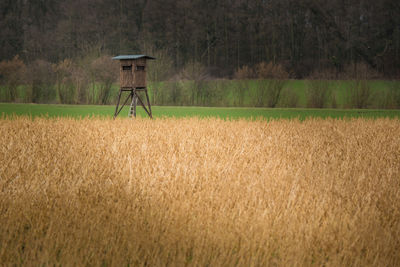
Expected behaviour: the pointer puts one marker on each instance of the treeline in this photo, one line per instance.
(268, 85)
(95, 81)
(301, 35)
(357, 94)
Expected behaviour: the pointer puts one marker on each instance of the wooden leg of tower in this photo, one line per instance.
(148, 102)
(116, 107)
(134, 101)
(143, 105)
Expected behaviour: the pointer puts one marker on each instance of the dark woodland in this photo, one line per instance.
(301, 35)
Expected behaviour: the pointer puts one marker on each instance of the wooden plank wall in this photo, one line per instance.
(126, 76)
(140, 75)
(133, 78)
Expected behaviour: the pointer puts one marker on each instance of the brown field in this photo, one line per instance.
(199, 192)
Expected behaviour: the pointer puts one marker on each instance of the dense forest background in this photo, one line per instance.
(301, 35)
(54, 51)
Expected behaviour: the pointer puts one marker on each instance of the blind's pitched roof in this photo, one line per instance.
(132, 57)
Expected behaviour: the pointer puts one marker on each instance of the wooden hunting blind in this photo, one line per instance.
(132, 79)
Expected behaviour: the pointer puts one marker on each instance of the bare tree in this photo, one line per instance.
(195, 74)
(104, 72)
(11, 76)
(40, 79)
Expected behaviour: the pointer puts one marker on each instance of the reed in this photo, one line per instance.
(199, 192)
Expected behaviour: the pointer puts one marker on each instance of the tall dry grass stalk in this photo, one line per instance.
(199, 192)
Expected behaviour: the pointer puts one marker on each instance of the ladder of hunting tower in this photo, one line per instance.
(132, 108)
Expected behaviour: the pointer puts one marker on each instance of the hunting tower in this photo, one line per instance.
(132, 79)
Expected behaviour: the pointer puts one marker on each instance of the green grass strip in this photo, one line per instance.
(77, 111)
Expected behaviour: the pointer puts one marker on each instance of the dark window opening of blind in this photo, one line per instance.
(126, 67)
(139, 67)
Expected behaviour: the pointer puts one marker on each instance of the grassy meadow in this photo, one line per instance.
(199, 192)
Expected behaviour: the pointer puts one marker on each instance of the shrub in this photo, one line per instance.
(11, 76)
(219, 92)
(272, 81)
(161, 68)
(359, 94)
(239, 91)
(197, 74)
(333, 100)
(40, 80)
(66, 91)
(173, 93)
(317, 93)
(271, 71)
(242, 85)
(395, 94)
(155, 89)
(244, 73)
(324, 74)
(268, 92)
(289, 98)
(389, 98)
(360, 71)
(104, 72)
(81, 80)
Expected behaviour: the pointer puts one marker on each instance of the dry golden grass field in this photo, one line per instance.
(199, 192)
